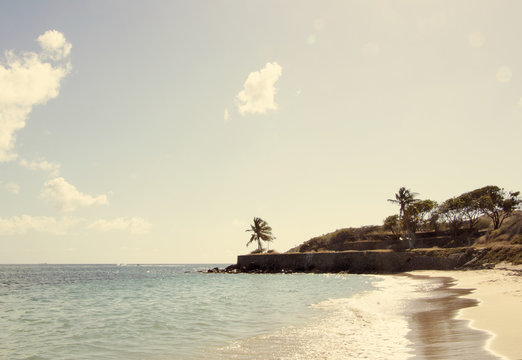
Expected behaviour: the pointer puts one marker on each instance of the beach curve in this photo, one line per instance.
(498, 293)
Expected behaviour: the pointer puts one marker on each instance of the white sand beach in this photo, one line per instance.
(499, 292)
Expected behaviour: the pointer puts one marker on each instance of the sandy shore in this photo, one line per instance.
(499, 310)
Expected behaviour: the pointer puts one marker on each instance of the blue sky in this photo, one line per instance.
(135, 132)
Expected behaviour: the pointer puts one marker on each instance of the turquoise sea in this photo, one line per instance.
(176, 312)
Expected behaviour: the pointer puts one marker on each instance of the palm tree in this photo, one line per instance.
(404, 198)
(260, 231)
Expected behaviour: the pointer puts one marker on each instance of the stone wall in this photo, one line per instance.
(355, 261)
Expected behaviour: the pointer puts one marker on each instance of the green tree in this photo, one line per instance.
(260, 231)
(416, 213)
(393, 224)
(404, 197)
(498, 205)
(433, 221)
(452, 211)
(470, 207)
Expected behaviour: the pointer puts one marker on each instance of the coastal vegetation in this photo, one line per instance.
(261, 231)
(415, 214)
(412, 213)
(474, 230)
(482, 216)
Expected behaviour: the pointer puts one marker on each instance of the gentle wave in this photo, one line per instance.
(369, 325)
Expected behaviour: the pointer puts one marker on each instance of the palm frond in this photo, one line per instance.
(260, 231)
(252, 239)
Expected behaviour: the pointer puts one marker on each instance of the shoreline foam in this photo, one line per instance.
(404, 317)
(372, 324)
(498, 293)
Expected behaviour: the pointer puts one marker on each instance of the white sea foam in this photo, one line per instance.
(369, 325)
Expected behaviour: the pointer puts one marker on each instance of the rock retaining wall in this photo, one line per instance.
(355, 261)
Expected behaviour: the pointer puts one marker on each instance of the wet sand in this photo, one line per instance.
(437, 333)
(472, 315)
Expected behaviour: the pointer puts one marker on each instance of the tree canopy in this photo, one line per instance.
(451, 211)
(261, 231)
(491, 201)
(404, 197)
(416, 213)
(497, 204)
(410, 211)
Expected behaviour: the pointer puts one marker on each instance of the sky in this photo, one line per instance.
(155, 131)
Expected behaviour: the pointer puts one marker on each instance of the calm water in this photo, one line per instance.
(174, 312)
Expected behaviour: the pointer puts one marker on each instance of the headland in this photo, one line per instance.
(481, 285)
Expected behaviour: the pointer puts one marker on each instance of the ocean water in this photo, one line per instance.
(175, 312)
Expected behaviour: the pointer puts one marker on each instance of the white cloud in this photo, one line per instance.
(54, 45)
(51, 167)
(27, 80)
(13, 188)
(133, 225)
(67, 198)
(259, 91)
(17, 225)
(476, 39)
(226, 116)
(504, 74)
